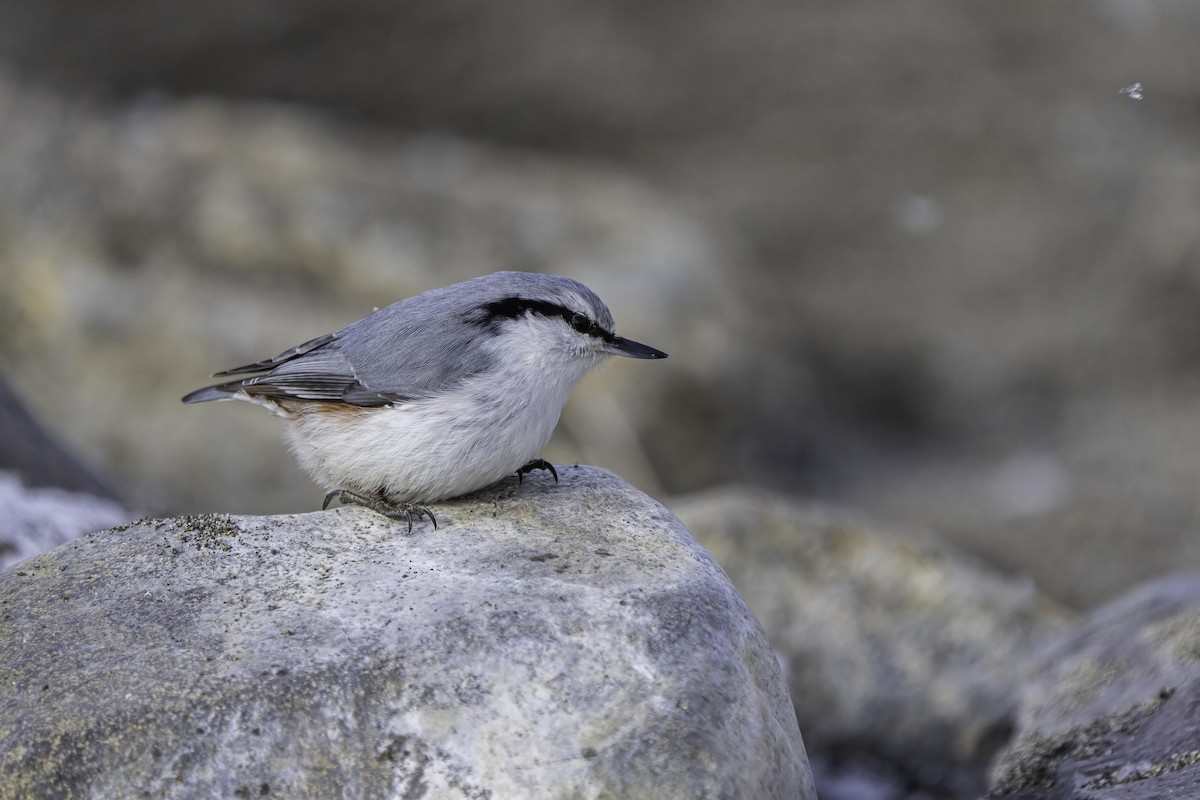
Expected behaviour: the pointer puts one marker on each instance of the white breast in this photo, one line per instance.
(428, 450)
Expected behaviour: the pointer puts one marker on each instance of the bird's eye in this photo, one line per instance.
(581, 323)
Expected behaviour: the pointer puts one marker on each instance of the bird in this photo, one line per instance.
(435, 396)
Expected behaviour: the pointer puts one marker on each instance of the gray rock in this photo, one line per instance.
(566, 640)
(36, 456)
(47, 495)
(1109, 711)
(37, 519)
(900, 650)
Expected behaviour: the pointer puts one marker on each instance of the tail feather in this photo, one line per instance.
(221, 392)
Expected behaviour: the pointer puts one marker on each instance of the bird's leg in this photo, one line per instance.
(537, 463)
(378, 503)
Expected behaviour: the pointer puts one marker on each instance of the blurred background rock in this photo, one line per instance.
(927, 261)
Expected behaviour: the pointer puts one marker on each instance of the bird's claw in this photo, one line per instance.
(380, 505)
(537, 463)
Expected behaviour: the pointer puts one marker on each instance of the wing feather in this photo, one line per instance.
(286, 355)
(403, 352)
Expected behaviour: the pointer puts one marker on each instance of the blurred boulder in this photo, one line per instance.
(38, 519)
(31, 452)
(903, 655)
(1109, 710)
(546, 640)
(48, 496)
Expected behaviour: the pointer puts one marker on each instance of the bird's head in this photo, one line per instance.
(549, 317)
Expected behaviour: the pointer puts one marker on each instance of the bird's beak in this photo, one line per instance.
(620, 346)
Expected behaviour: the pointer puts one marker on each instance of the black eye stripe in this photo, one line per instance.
(514, 307)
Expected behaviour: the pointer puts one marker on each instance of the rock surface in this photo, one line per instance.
(545, 641)
(903, 654)
(1109, 711)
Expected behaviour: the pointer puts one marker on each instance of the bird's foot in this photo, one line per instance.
(537, 463)
(380, 505)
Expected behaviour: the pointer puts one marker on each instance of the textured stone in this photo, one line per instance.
(1108, 711)
(900, 650)
(566, 640)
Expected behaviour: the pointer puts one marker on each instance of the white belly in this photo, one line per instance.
(427, 450)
